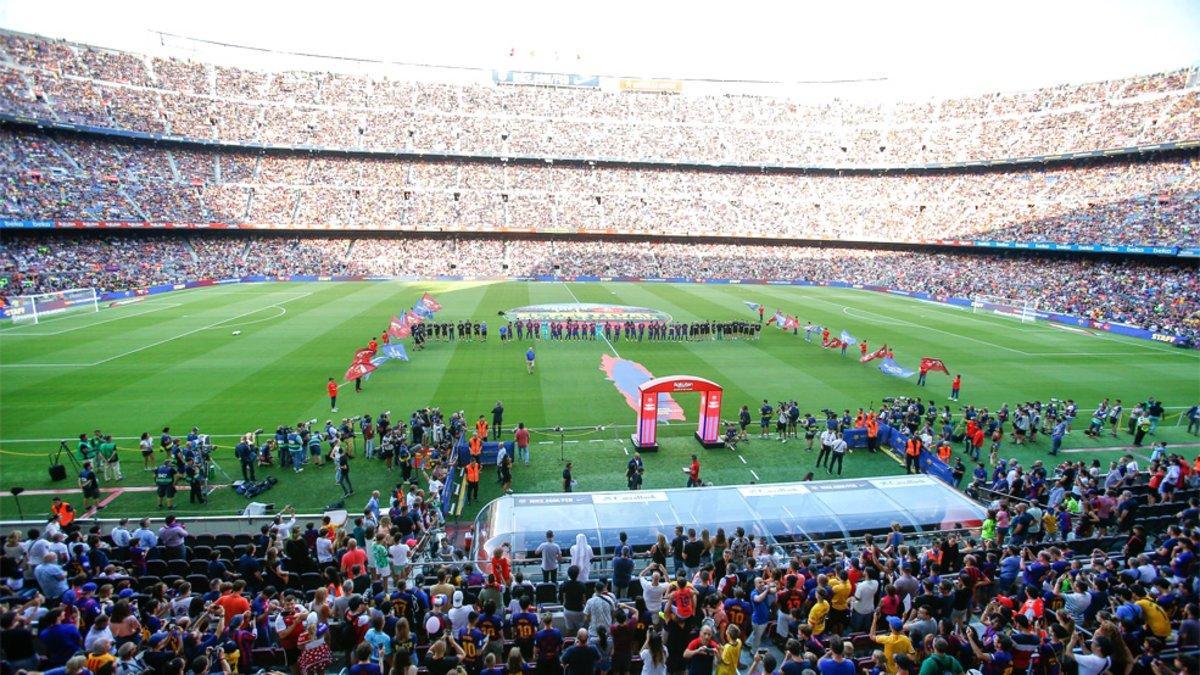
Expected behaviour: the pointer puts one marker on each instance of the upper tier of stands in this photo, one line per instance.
(78, 84)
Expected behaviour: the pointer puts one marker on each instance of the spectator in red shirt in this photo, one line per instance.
(354, 557)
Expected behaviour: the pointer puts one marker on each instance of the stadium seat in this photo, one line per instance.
(546, 593)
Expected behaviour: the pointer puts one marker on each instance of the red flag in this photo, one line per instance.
(929, 363)
(363, 355)
(432, 304)
(833, 343)
(412, 319)
(880, 353)
(791, 322)
(398, 329)
(357, 370)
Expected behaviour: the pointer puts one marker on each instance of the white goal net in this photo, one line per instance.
(1025, 310)
(35, 308)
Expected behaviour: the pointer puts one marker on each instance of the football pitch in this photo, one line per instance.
(173, 360)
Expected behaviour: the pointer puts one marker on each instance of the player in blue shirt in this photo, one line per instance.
(529, 356)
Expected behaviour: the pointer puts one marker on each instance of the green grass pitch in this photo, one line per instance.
(173, 360)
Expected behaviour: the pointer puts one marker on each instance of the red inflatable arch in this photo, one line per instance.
(708, 428)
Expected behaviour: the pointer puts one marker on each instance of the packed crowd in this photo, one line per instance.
(1159, 297)
(98, 179)
(54, 80)
(384, 593)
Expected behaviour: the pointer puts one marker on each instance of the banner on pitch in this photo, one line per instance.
(429, 303)
(889, 367)
(752, 305)
(848, 338)
(395, 351)
(358, 370)
(833, 343)
(881, 353)
(398, 329)
(929, 364)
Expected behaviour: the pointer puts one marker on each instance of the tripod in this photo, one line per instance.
(213, 466)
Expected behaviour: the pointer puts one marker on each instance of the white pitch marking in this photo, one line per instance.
(152, 344)
(89, 325)
(754, 474)
(742, 458)
(602, 335)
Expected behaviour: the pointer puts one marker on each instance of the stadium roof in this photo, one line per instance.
(889, 49)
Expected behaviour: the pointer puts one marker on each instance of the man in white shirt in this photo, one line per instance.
(324, 550)
(837, 454)
(828, 438)
(121, 535)
(285, 527)
(399, 555)
(459, 614)
(653, 593)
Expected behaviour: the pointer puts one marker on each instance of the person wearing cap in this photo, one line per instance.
(459, 614)
(894, 643)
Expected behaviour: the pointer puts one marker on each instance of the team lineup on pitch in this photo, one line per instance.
(294, 335)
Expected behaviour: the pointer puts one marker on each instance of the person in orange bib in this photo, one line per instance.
(373, 346)
(862, 348)
(872, 432)
(472, 472)
(332, 389)
(912, 455)
(64, 511)
(481, 427)
(476, 446)
(943, 452)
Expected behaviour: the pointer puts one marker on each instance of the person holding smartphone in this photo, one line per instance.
(701, 653)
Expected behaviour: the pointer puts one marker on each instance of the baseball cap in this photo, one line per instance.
(895, 623)
(125, 593)
(89, 587)
(439, 600)
(458, 598)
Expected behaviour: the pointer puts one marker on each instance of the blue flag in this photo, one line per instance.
(422, 311)
(752, 305)
(890, 367)
(395, 350)
(848, 338)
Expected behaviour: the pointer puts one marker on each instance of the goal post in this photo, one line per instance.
(34, 308)
(1025, 310)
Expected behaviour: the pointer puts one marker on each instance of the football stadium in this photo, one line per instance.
(320, 353)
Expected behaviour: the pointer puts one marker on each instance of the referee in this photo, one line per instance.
(828, 438)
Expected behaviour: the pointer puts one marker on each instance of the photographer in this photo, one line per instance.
(196, 475)
(701, 653)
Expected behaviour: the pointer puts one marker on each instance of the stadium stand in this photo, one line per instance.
(1066, 554)
(1069, 556)
(1159, 295)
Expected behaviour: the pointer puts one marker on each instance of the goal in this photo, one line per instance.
(1025, 310)
(34, 308)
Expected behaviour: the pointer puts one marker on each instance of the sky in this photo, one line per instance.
(910, 49)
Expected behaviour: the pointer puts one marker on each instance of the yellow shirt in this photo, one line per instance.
(894, 644)
(841, 594)
(816, 616)
(1156, 618)
(728, 663)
